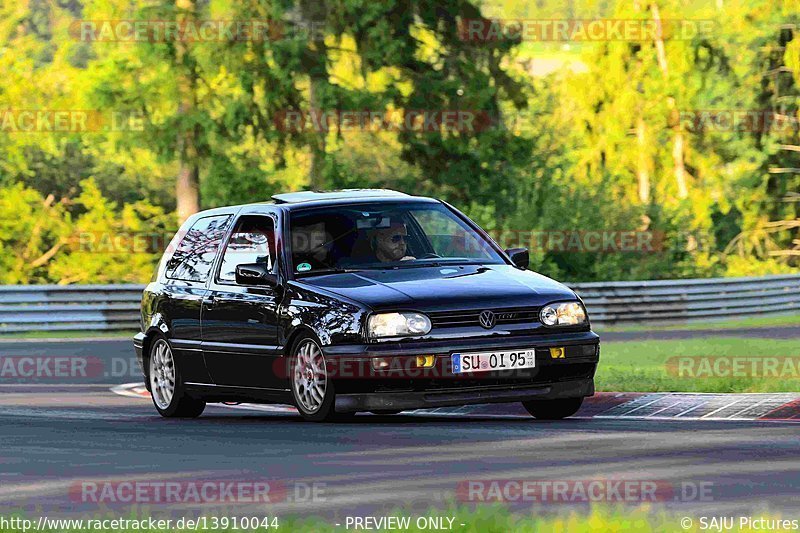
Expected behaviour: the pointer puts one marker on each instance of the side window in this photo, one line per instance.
(195, 253)
(252, 241)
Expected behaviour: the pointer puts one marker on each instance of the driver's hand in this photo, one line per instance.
(408, 258)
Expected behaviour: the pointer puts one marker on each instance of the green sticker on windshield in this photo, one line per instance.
(303, 267)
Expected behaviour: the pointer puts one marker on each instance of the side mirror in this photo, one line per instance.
(255, 274)
(519, 256)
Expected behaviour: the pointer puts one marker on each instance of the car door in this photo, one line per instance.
(184, 286)
(240, 323)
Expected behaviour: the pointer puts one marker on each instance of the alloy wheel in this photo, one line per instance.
(162, 374)
(309, 377)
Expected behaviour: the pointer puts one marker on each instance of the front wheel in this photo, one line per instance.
(553, 409)
(312, 388)
(166, 386)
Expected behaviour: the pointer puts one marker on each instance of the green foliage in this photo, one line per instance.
(33, 229)
(568, 150)
(87, 239)
(651, 365)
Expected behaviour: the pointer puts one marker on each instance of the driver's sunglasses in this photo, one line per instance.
(397, 238)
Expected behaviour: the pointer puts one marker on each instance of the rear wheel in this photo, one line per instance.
(553, 409)
(166, 386)
(312, 388)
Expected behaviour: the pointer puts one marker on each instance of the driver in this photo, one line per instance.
(389, 244)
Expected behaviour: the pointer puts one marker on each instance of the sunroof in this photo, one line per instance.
(307, 196)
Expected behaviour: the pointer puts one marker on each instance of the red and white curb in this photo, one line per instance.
(609, 405)
(132, 390)
(709, 406)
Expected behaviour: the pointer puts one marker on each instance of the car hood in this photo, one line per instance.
(444, 288)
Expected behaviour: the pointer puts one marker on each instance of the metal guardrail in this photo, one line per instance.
(116, 307)
(69, 307)
(678, 301)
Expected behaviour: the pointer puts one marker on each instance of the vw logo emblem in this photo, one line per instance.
(487, 319)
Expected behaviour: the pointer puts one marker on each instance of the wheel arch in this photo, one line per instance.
(149, 337)
(295, 333)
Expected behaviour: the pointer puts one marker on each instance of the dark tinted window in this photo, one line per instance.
(380, 235)
(196, 250)
(252, 241)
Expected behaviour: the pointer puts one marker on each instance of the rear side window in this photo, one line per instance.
(195, 253)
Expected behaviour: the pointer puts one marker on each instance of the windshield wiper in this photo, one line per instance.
(437, 262)
(415, 264)
(331, 270)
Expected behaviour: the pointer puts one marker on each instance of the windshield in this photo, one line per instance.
(384, 236)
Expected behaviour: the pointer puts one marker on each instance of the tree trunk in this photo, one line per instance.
(642, 170)
(678, 149)
(313, 14)
(316, 177)
(187, 185)
(187, 191)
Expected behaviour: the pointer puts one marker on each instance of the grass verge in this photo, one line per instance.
(654, 365)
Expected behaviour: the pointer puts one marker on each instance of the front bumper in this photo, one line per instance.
(138, 347)
(467, 396)
(407, 387)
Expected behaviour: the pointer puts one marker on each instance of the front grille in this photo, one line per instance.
(455, 319)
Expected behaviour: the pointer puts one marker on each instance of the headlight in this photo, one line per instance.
(563, 314)
(398, 324)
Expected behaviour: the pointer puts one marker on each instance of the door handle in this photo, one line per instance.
(209, 301)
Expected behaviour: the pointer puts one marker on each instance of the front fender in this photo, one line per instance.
(332, 320)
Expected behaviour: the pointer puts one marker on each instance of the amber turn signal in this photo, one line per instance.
(557, 353)
(425, 361)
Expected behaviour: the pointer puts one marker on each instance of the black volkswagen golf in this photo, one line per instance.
(359, 300)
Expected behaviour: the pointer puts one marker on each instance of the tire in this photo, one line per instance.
(312, 389)
(553, 409)
(166, 385)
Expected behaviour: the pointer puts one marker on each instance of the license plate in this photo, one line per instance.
(488, 361)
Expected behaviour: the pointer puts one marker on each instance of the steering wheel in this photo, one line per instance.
(431, 256)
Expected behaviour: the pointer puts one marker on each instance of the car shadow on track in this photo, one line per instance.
(423, 422)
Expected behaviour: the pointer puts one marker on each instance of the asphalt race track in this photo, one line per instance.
(58, 435)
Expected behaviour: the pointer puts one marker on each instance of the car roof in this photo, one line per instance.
(305, 199)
